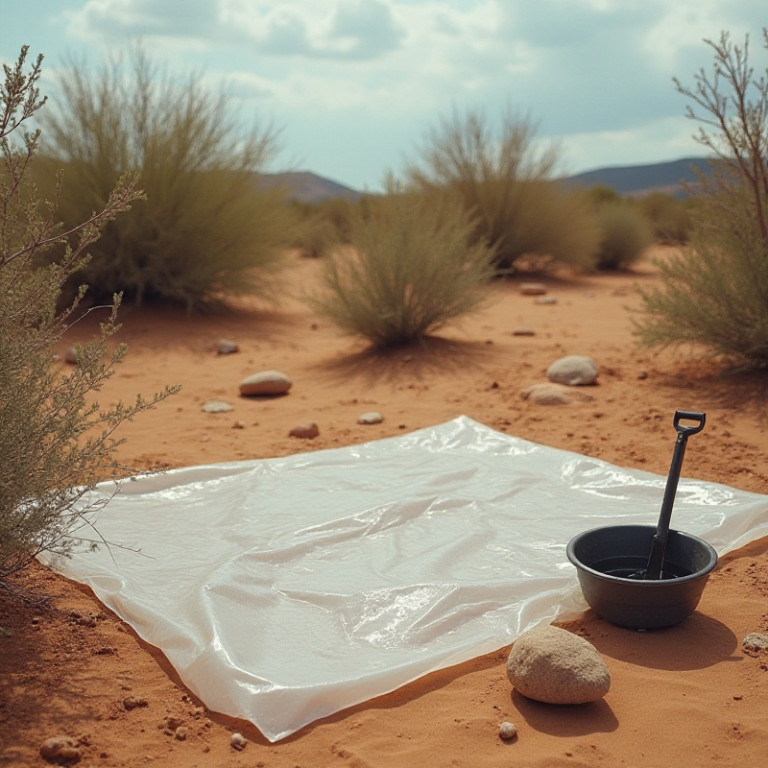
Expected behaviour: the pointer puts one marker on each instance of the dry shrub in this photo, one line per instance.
(716, 292)
(206, 230)
(56, 442)
(626, 234)
(507, 186)
(669, 217)
(410, 270)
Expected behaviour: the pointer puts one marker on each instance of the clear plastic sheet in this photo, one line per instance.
(287, 589)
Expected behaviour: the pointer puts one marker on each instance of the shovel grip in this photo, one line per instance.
(701, 418)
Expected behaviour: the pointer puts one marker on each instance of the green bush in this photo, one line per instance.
(716, 292)
(410, 270)
(55, 441)
(669, 217)
(626, 234)
(206, 231)
(508, 188)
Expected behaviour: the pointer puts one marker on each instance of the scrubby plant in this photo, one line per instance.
(508, 187)
(207, 230)
(625, 235)
(669, 217)
(716, 293)
(411, 268)
(56, 442)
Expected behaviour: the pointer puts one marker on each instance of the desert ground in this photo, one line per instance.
(688, 696)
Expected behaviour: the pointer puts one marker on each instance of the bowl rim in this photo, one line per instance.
(639, 583)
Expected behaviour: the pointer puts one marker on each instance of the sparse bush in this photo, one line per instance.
(55, 441)
(669, 217)
(508, 188)
(206, 230)
(625, 235)
(410, 270)
(716, 293)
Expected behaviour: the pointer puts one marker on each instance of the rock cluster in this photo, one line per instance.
(555, 666)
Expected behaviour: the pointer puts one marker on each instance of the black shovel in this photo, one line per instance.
(656, 560)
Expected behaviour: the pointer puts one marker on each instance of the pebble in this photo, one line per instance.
(573, 370)
(217, 406)
(545, 300)
(60, 748)
(533, 289)
(370, 418)
(181, 733)
(755, 640)
(523, 332)
(226, 347)
(265, 383)
(642, 375)
(131, 702)
(70, 356)
(238, 741)
(554, 666)
(305, 431)
(507, 730)
(238, 425)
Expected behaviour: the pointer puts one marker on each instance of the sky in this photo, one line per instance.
(355, 86)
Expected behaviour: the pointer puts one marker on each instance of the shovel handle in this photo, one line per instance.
(701, 418)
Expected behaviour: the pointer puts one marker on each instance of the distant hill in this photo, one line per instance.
(306, 187)
(642, 180)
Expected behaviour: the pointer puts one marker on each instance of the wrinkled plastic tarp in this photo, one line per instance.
(287, 589)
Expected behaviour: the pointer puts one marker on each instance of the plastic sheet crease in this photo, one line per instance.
(284, 590)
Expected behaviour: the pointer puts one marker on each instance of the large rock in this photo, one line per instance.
(265, 383)
(547, 393)
(555, 666)
(573, 370)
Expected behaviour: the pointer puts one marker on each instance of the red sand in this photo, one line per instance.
(684, 697)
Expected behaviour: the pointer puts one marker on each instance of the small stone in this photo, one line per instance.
(238, 741)
(60, 748)
(181, 733)
(370, 418)
(533, 289)
(70, 356)
(523, 332)
(314, 326)
(226, 347)
(755, 641)
(131, 702)
(217, 406)
(238, 425)
(642, 375)
(172, 722)
(554, 666)
(547, 394)
(305, 431)
(265, 383)
(507, 730)
(545, 300)
(573, 370)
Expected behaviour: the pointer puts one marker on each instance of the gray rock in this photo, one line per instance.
(545, 300)
(573, 370)
(507, 730)
(237, 741)
(226, 347)
(370, 418)
(555, 666)
(265, 383)
(756, 641)
(216, 406)
(305, 431)
(70, 356)
(533, 289)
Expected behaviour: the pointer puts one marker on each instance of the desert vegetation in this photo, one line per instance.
(715, 293)
(205, 231)
(625, 233)
(413, 265)
(508, 186)
(56, 441)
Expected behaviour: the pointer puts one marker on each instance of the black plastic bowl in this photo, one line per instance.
(605, 558)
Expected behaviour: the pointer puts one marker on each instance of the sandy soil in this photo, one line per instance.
(685, 697)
